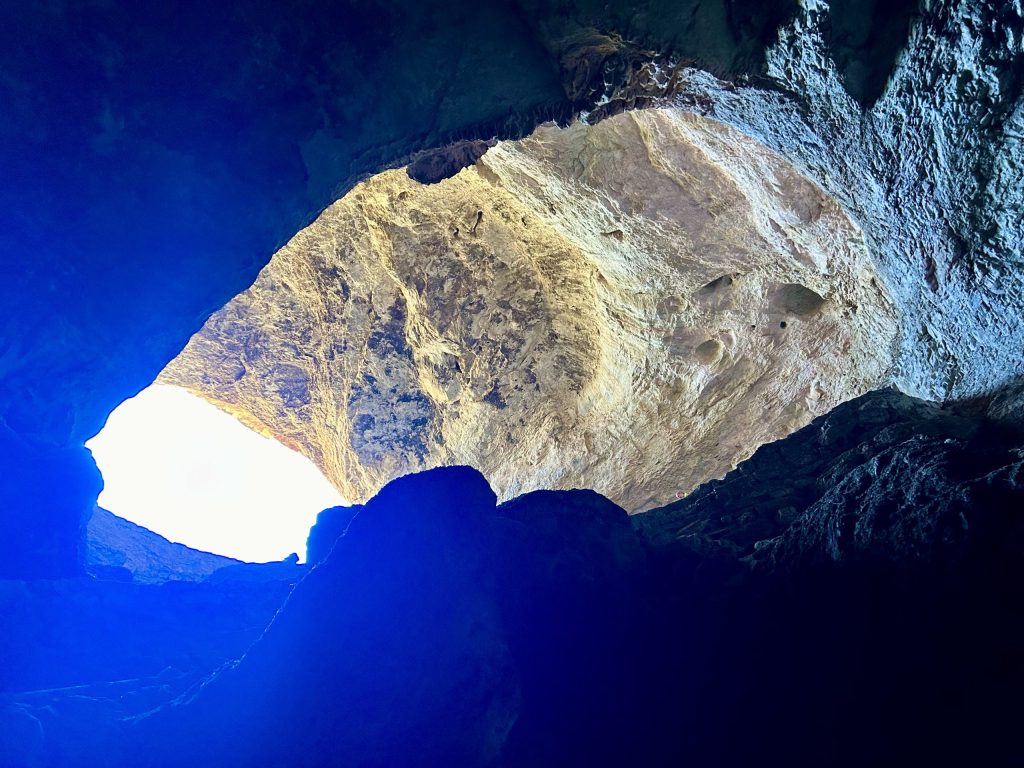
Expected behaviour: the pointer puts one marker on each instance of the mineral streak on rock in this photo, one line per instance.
(642, 303)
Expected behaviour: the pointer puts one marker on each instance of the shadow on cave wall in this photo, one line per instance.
(866, 39)
(851, 595)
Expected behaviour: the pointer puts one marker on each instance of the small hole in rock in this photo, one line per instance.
(710, 352)
(799, 300)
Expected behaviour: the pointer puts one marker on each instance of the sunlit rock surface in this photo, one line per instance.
(154, 157)
(144, 193)
(632, 307)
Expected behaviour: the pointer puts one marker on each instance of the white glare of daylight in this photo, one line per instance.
(175, 464)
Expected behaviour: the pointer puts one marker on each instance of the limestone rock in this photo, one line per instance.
(854, 590)
(884, 478)
(69, 632)
(155, 156)
(632, 307)
(417, 624)
(143, 194)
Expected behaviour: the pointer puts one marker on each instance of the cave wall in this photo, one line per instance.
(64, 633)
(154, 156)
(119, 549)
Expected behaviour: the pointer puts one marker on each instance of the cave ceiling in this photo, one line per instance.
(149, 177)
(633, 307)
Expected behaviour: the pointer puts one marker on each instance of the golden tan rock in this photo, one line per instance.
(632, 307)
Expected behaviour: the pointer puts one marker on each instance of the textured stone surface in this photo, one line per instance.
(344, 694)
(148, 177)
(858, 589)
(632, 307)
(932, 171)
(151, 174)
(440, 631)
(885, 477)
(61, 633)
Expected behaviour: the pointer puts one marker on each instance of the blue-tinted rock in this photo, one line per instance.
(115, 543)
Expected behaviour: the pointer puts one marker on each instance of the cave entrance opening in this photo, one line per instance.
(182, 468)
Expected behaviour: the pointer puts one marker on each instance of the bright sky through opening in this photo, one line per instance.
(175, 464)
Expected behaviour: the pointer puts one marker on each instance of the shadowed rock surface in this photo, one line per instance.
(886, 477)
(859, 607)
(554, 629)
(436, 165)
(866, 37)
(69, 632)
(152, 610)
(931, 172)
(116, 547)
(858, 591)
(330, 525)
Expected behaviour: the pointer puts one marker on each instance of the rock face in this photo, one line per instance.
(633, 307)
(885, 478)
(859, 604)
(853, 592)
(63, 633)
(151, 175)
(150, 611)
(931, 170)
(114, 546)
(759, 617)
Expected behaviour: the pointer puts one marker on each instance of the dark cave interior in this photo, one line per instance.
(850, 594)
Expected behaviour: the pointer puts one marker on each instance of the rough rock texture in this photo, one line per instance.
(148, 175)
(117, 547)
(632, 307)
(885, 477)
(550, 631)
(853, 593)
(435, 634)
(435, 165)
(392, 629)
(155, 155)
(159, 613)
(932, 171)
